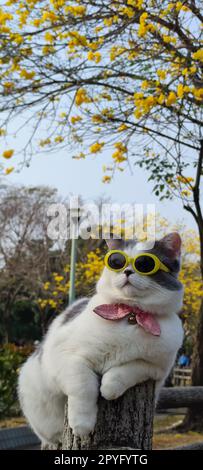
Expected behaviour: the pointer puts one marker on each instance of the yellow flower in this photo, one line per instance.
(198, 93)
(161, 98)
(27, 75)
(96, 147)
(58, 278)
(119, 156)
(75, 119)
(122, 128)
(8, 85)
(94, 56)
(2, 132)
(76, 10)
(180, 90)
(8, 153)
(161, 74)
(81, 97)
(171, 99)
(49, 37)
(97, 119)
(9, 170)
(169, 39)
(106, 179)
(58, 139)
(145, 85)
(198, 55)
(45, 142)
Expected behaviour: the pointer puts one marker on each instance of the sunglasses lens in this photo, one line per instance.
(116, 261)
(144, 264)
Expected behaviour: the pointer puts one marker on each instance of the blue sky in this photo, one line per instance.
(84, 177)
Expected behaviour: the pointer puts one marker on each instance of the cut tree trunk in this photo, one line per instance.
(125, 423)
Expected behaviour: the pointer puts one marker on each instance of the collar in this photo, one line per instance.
(135, 315)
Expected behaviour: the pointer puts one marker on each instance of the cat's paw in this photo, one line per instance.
(82, 430)
(82, 425)
(111, 390)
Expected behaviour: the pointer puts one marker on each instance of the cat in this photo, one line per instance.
(83, 353)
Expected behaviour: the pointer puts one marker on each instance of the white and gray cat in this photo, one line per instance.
(83, 354)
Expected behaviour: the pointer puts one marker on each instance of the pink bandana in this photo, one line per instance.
(135, 315)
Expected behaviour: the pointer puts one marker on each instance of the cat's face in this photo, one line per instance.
(161, 292)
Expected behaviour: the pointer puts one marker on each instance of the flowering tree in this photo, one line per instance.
(122, 74)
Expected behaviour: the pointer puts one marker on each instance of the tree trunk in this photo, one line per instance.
(194, 416)
(125, 423)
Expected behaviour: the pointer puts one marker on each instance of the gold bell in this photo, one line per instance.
(132, 318)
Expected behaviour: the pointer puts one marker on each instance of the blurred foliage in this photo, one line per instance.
(11, 358)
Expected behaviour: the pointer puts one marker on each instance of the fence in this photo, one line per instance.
(181, 376)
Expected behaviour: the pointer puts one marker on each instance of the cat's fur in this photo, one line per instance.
(81, 348)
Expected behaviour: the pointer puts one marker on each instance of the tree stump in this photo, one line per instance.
(125, 423)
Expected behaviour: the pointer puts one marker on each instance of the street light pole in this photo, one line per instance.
(74, 220)
(72, 270)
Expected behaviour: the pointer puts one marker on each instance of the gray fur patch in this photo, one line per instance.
(74, 310)
(167, 280)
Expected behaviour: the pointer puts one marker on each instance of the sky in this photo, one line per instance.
(84, 177)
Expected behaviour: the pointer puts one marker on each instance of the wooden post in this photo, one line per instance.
(125, 423)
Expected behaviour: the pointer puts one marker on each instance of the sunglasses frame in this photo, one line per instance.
(131, 260)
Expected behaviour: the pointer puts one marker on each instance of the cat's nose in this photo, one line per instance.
(128, 272)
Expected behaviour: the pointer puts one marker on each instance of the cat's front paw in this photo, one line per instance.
(82, 425)
(111, 390)
(82, 430)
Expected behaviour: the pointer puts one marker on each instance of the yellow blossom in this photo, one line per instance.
(75, 119)
(81, 97)
(198, 93)
(58, 278)
(145, 84)
(122, 128)
(161, 74)
(49, 37)
(26, 74)
(180, 90)
(94, 56)
(45, 142)
(198, 55)
(171, 99)
(96, 147)
(9, 170)
(169, 39)
(58, 139)
(106, 179)
(8, 153)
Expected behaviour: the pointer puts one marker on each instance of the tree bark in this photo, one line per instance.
(194, 416)
(125, 423)
(180, 397)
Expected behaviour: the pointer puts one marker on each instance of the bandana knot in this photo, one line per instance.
(135, 315)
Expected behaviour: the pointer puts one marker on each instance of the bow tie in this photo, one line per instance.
(135, 315)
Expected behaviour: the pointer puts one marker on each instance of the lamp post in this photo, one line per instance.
(73, 259)
(74, 219)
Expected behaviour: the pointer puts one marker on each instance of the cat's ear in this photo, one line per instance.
(172, 243)
(114, 243)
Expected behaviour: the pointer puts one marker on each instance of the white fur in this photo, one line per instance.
(77, 353)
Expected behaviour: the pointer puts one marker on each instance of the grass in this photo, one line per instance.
(12, 422)
(166, 438)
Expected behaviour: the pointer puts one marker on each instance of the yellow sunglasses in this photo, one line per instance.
(142, 263)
